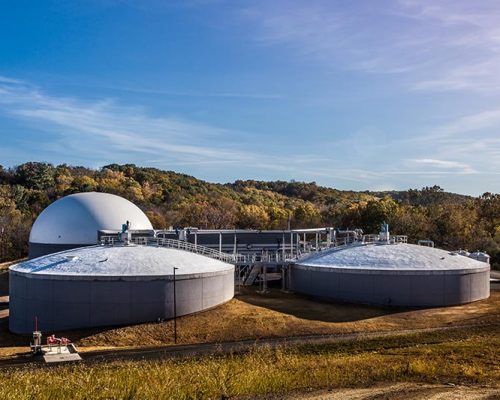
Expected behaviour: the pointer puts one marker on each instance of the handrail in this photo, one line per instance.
(280, 256)
(173, 244)
(194, 248)
(392, 239)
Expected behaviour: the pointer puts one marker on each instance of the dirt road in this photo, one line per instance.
(197, 350)
(403, 391)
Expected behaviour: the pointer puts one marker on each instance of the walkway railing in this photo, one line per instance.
(172, 244)
(392, 239)
(279, 256)
(194, 248)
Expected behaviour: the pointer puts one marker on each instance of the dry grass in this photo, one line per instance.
(471, 358)
(251, 316)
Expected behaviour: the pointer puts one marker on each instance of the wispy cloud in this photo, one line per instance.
(471, 123)
(434, 45)
(102, 131)
(103, 124)
(473, 138)
(230, 95)
(452, 166)
(4, 79)
(107, 131)
(469, 43)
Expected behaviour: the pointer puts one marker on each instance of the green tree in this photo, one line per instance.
(306, 215)
(34, 175)
(376, 212)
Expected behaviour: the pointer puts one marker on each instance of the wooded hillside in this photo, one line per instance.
(171, 199)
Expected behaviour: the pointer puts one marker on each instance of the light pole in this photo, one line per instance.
(175, 311)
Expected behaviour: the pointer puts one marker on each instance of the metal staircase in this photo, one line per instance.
(251, 276)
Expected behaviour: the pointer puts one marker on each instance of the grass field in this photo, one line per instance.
(459, 357)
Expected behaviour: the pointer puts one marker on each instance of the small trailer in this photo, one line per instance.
(56, 349)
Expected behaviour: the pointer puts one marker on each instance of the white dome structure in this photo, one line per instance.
(74, 221)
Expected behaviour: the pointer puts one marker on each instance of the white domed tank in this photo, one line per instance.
(114, 285)
(401, 275)
(74, 221)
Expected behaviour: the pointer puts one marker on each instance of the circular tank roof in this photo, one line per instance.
(120, 262)
(392, 257)
(75, 219)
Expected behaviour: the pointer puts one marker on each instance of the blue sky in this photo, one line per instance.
(364, 95)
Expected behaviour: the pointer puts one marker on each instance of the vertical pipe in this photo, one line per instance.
(264, 287)
(196, 238)
(220, 242)
(175, 311)
(316, 241)
(283, 247)
(239, 277)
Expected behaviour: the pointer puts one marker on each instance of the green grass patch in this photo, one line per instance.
(459, 356)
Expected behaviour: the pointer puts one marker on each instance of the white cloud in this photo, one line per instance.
(471, 123)
(104, 132)
(442, 45)
(105, 125)
(101, 131)
(4, 79)
(455, 166)
(237, 95)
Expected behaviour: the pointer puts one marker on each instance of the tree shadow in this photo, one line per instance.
(4, 283)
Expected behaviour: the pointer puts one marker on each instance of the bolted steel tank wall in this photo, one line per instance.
(392, 288)
(63, 303)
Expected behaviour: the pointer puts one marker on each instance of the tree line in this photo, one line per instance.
(168, 198)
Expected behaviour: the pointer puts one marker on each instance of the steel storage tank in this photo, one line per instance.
(74, 221)
(392, 275)
(120, 285)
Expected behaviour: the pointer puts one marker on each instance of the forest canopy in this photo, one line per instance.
(452, 221)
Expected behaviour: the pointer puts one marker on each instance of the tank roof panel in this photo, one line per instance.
(405, 257)
(120, 261)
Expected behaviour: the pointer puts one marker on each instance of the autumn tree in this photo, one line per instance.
(253, 217)
(376, 212)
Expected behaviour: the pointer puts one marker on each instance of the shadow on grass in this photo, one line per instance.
(306, 307)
